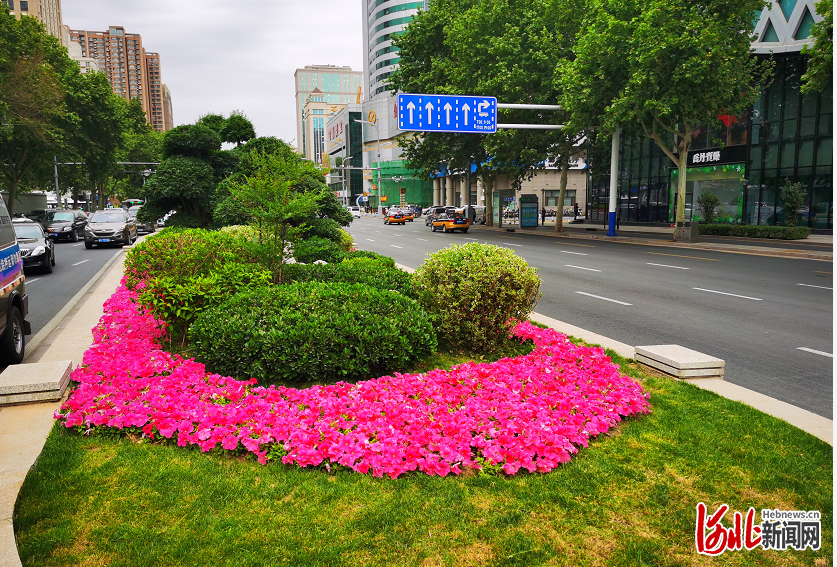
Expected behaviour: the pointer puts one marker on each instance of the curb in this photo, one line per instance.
(33, 343)
(728, 248)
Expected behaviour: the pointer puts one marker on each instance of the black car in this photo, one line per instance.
(110, 226)
(36, 250)
(65, 225)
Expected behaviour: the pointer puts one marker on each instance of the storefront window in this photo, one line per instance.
(724, 181)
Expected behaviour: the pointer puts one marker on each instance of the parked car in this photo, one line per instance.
(431, 212)
(450, 222)
(355, 211)
(65, 225)
(37, 215)
(110, 226)
(14, 303)
(36, 249)
(394, 218)
(145, 228)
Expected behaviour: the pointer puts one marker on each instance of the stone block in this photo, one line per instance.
(38, 382)
(680, 362)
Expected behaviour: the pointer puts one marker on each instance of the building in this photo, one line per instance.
(315, 113)
(132, 72)
(784, 136)
(335, 85)
(86, 64)
(383, 21)
(344, 144)
(47, 11)
(168, 110)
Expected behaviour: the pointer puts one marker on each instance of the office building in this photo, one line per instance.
(383, 21)
(785, 136)
(344, 144)
(47, 11)
(132, 72)
(315, 113)
(336, 85)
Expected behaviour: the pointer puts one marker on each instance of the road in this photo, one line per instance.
(74, 267)
(755, 312)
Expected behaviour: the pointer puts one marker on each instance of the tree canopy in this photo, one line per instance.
(820, 70)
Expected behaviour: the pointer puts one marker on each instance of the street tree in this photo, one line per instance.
(33, 110)
(666, 67)
(820, 70)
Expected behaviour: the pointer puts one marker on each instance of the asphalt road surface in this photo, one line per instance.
(769, 318)
(74, 267)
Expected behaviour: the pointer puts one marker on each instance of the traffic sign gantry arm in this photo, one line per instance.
(463, 114)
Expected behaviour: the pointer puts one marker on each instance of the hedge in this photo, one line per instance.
(756, 231)
(312, 332)
(386, 260)
(367, 271)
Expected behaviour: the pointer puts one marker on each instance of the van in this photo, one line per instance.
(355, 211)
(14, 303)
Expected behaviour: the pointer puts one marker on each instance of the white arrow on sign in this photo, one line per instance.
(448, 108)
(465, 110)
(429, 107)
(411, 107)
(480, 106)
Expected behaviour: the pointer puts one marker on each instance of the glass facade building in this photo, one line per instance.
(744, 160)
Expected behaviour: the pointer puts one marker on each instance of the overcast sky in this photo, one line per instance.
(224, 55)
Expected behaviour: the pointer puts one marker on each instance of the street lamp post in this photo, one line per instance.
(378, 133)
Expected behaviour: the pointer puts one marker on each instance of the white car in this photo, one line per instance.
(355, 211)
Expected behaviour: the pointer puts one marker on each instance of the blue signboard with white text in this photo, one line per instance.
(447, 113)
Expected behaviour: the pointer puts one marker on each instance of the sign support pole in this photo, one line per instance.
(614, 174)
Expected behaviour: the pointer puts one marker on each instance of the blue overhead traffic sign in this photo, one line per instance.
(447, 113)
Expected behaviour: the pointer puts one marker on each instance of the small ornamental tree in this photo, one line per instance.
(666, 68)
(708, 202)
(237, 129)
(793, 198)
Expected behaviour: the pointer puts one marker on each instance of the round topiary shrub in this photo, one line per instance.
(367, 271)
(312, 332)
(471, 292)
(316, 248)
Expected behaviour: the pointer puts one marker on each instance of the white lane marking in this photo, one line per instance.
(396, 235)
(378, 231)
(725, 293)
(82, 262)
(604, 298)
(370, 240)
(415, 231)
(421, 239)
(32, 281)
(806, 349)
(79, 244)
(666, 266)
(466, 238)
(510, 244)
(817, 286)
(568, 252)
(580, 268)
(394, 246)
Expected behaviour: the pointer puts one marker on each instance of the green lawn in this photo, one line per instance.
(628, 499)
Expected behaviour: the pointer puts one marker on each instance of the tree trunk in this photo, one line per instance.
(488, 190)
(13, 184)
(680, 213)
(559, 216)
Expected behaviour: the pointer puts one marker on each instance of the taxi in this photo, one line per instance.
(450, 222)
(408, 214)
(394, 218)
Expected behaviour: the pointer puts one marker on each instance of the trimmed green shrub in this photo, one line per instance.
(367, 271)
(707, 203)
(178, 302)
(793, 198)
(386, 260)
(346, 241)
(472, 291)
(179, 254)
(312, 332)
(756, 231)
(316, 248)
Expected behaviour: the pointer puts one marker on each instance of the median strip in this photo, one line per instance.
(725, 293)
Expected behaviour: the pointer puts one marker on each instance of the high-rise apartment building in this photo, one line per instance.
(335, 85)
(47, 11)
(383, 21)
(168, 111)
(132, 72)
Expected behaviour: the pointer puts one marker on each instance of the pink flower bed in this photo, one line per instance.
(532, 412)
